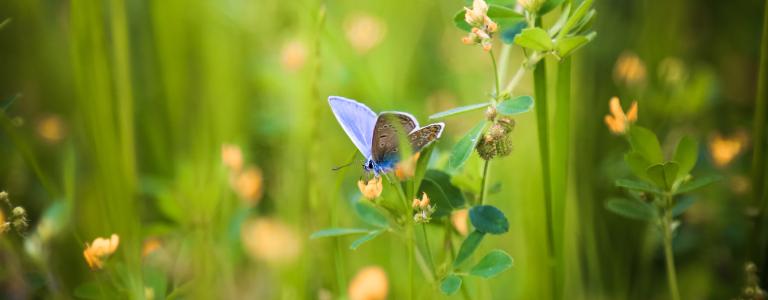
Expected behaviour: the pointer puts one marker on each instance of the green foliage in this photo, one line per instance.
(370, 236)
(370, 214)
(548, 6)
(632, 209)
(468, 247)
(450, 284)
(503, 16)
(664, 175)
(645, 144)
(568, 45)
(492, 264)
(330, 232)
(464, 147)
(534, 39)
(685, 155)
(488, 219)
(697, 182)
(442, 193)
(516, 105)
(638, 186)
(681, 205)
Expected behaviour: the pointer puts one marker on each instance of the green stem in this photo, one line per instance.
(503, 60)
(560, 162)
(542, 119)
(484, 182)
(758, 155)
(669, 256)
(495, 75)
(429, 250)
(411, 249)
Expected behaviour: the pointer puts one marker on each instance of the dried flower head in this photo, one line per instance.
(293, 55)
(364, 32)
(497, 140)
(100, 250)
(232, 157)
(270, 240)
(629, 70)
(617, 121)
(249, 185)
(725, 149)
(370, 283)
(407, 168)
(371, 189)
(459, 220)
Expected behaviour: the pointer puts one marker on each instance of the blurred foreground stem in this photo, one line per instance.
(484, 182)
(668, 254)
(760, 187)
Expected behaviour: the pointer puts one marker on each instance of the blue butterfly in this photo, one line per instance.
(376, 136)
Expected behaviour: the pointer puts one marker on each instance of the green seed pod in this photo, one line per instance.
(497, 140)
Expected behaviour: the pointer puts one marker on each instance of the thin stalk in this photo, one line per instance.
(669, 256)
(758, 155)
(542, 119)
(484, 182)
(411, 249)
(429, 251)
(495, 76)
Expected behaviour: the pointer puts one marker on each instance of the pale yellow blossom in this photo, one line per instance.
(725, 149)
(249, 184)
(364, 32)
(99, 250)
(232, 157)
(270, 240)
(372, 189)
(370, 283)
(617, 121)
(459, 221)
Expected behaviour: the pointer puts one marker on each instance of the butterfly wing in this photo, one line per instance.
(357, 120)
(423, 136)
(386, 141)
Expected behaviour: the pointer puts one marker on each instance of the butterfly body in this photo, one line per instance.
(378, 136)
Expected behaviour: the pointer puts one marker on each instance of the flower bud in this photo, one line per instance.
(497, 140)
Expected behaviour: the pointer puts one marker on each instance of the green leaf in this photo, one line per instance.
(508, 35)
(685, 154)
(442, 193)
(645, 143)
(463, 149)
(450, 284)
(555, 28)
(548, 6)
(514, 106)
(492, 264)
(681, 205)
(365, 238)
(370, 214)
(632, 209)
(91, 290)
(585, 24)
(423, 163)
(638, 186)
(468, 247)
(576, 18)
(696, 183)
(155, 278)
(488, 219)
(458, 21)
(638, 164)
(566, 46)
(328, 232)
(535, 39)
(664, 175)
(459, 110)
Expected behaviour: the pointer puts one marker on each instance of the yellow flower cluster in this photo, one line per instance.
(99, 250)
(617, 121)
(482, 26)
(248, 181)
(371, 189)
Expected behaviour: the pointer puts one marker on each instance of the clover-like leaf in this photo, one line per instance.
(370, 214)
(468, 247)
(664, 175)
(632, 209)
(535, 39)
(329, 232)
(638, 164)
(492, 264)
(568, 45)
(488, 219)
(442, 193)
(516, 105)
(450, 284)
(645, 143)
(697, 182)
(363, 239)
(686, 153)
(638, 186)
(463, 149)
(459, 110)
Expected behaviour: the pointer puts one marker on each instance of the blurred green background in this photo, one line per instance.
(121, 108)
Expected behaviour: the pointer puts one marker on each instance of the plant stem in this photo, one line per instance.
(759, 185)
(429, 251)
(542, 119)
(503, 60)
(516, 78)
(495, 75)
(669, 256)
(484, 182)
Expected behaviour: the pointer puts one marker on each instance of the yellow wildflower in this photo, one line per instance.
(629, 70)
(51, 129)
(424, 211)
(364, 32)
(617, 121)
(370, 283)
(293, 55)
(232, 157)
(459, 221)
(482, 26)
(249, 185)
(407, 168)
(270, 240)
(372, 189)
(100, 249)
(725, 149)
(150, 245)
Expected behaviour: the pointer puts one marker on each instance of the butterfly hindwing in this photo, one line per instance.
(357, 120)
(421, 137)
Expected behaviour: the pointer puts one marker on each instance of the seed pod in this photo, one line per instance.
(497, 140)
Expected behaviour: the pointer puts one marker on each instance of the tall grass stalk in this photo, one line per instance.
(668, 254)
(759, 164)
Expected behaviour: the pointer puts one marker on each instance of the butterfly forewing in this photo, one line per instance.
(357, 120)
(386, 135)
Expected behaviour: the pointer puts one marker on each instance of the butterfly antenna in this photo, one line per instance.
(351, 161)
